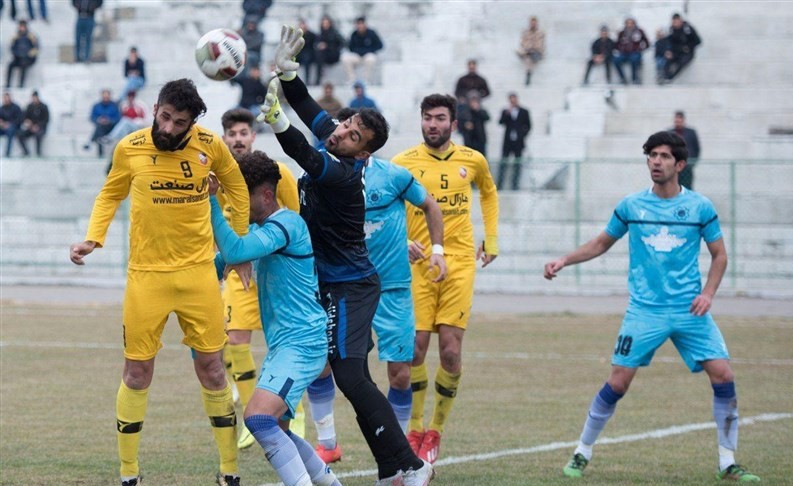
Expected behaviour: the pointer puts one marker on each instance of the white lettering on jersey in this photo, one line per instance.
(370, 227)
(663, 241)
(642, 213)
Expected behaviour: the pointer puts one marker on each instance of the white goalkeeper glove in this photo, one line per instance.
(291, 44)
(272, 113)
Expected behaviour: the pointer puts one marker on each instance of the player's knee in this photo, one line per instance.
(451, 359)
(399, 376)
(211, 372)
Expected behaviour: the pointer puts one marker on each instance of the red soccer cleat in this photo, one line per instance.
(430, 446)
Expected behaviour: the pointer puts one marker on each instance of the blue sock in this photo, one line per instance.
(317, 470)
(725, 412)
(278, 449)
(401, 401)
(320, 400)
(600, 411)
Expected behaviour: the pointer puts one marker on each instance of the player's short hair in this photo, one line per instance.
(258, 168)
(680, 113)
(236, 115)
(673, 140)
(183, 96)
(436, 100)
(376, 122)
(345, 113)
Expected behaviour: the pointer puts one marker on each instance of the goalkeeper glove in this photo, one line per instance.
(272, 113)
(290, 46)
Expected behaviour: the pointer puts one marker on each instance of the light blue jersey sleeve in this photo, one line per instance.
(415, 193)
(260, 242)
(618, 224)
(711, 229)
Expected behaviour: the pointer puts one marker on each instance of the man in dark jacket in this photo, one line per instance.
(24, 49)
(307, 56)
(683, 39)
(254, 40)
(517, 125)
(631, 42)
(84, 30)
(256, 10)
(602, 51)
(253, 92)
(34, 124)
(689, 135)
(471, 82)
(363, 46)
(10, 118)
(104, 115)
(471, 123)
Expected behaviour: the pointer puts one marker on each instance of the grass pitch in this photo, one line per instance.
(527, 383)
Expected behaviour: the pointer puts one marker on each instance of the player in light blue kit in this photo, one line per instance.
(388, 187)
(667, 301)
(293, 321)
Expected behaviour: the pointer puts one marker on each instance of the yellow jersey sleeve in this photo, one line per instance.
(235, 190)
(115, 190)
(286, 192)
(488, 201)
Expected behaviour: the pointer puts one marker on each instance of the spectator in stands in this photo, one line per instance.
(84, 30)
(532, 47)
(471, 82)
(254, 40)
(689, 135)
(256, 10)
(307, 56)
(661, 46)
(133, 118)
(683, 39)
(602, 51)
(471, 123)
(327, 46)
(24, 50)
(631, 42)
(517, 125)
(34, 124)
(104, 115)
(253, 90)
(328, 101)
(134, 73)
(363, 46)
(361, 100)
(10, 118)
(31, 13)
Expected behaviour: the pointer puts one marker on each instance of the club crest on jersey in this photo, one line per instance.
(463, 172)
(681, 213)
(663, 241)
(202, 158)
(374, 196)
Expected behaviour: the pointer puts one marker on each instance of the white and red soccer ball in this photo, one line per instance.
(221, 54)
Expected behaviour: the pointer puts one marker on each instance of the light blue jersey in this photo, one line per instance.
(664, 245)
(388, 186)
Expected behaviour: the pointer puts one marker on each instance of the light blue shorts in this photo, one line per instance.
(395, 326)
(643, 331)
(288, 370)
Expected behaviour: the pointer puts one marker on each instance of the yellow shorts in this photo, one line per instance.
(241, 307)
(193, 294)
(447, 302)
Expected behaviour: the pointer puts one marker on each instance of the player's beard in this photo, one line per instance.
(439, 140)
(163, 141)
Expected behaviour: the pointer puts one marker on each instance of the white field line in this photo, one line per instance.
(474, 354)
(553, 446)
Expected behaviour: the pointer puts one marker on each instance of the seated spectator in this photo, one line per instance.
(24, 50)
(631, 42)
(10, 118)
(363, 46)
(327, 46)
(253, 90)
(34, 124)
(254, 40)
(307, 56)
(471, 82)
(104, 115)
(661, 46)
(328, 101)
(134, 73)
(602, 51)
(683, 39)
(133, 118)
(471, 123)
(532, 47)
(361, 100)
(256, 10)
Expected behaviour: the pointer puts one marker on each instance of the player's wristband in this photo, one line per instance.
(491, 245)
(437, 250)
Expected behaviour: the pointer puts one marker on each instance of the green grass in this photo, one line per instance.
(528, 381)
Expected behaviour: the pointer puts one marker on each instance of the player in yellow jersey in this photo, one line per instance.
(447, 171)
(242, 306)
(165, 170)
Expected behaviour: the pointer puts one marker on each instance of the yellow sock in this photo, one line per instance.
(298, 424)
(243, 369)
(219, 406)
(445, 390)
(418, 382)
(130, 411)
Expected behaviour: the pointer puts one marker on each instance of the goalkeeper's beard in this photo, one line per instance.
(163, 141)
(439, 140)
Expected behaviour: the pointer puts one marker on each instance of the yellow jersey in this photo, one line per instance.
(170, 226)
(448, 177)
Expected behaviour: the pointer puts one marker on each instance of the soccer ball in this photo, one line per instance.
(221, 54)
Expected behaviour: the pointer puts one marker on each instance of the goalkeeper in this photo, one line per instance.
(332, 204)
